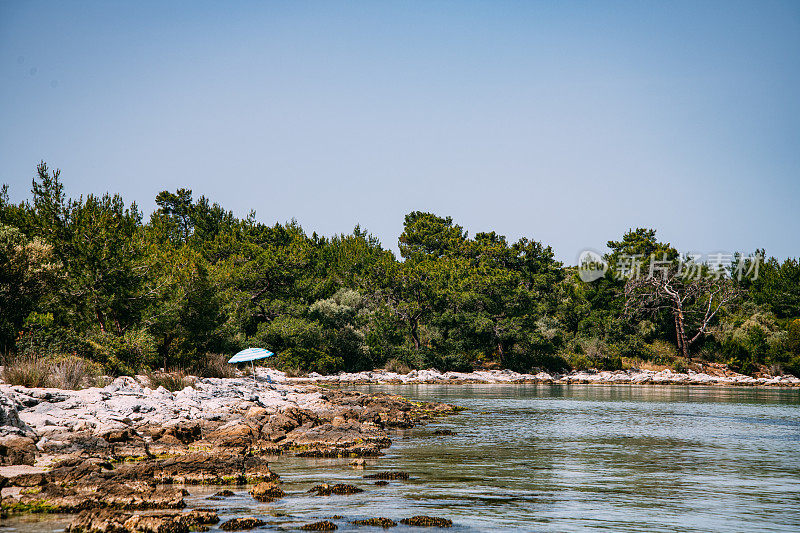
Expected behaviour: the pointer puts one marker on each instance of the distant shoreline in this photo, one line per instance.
(616, 377)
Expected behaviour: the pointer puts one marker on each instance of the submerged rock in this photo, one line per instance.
(110, 521)
(378, 522)
(340, 489)
(241, 524)
(56, 498)
(324, 525)
(267, 492)
(426, 521)
(200, 468)
(389, 475)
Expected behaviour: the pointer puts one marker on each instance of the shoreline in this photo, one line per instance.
(714, 377)
(109, 454)
(112, 455)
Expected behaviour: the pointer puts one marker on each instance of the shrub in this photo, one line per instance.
(793, 337)
(174, 380)
(61, 372)
(123, 354)
(455, 362)
(661, 352)
(596, 354)
(73, 372)
(26, 371)
(397, 366)
(215, 365)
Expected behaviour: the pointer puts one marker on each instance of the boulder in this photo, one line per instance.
(17, 450)
(237, 433)
(267, 492)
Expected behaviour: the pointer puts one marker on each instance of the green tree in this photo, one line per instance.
(28, 272)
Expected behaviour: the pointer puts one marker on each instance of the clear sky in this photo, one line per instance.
(567, 122)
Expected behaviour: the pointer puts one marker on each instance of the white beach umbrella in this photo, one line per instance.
(251, 354)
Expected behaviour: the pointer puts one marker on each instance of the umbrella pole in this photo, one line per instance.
(253, 365)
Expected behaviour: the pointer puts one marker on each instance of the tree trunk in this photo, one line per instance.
(681, 332)
(414, 324)
(678, 332)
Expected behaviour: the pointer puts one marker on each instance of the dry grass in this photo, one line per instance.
(216, 365)
(397, 366)
(61, 372)
(26, 371)
(641, 364)
(173, 380)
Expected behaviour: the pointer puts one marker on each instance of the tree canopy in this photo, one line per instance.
(90, 276)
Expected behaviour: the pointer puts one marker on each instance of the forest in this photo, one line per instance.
(90, 278)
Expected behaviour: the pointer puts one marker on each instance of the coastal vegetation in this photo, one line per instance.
(88, 284)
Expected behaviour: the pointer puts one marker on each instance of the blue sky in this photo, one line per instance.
(567, 122)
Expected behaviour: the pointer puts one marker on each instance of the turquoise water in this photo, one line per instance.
(565, 458)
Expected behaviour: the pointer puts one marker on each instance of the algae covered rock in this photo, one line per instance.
(110, 521)
(267, 492)
(389, 476)
(426, 521)
(324, 525)
(339, 488)
(378, 522)
(241, 524)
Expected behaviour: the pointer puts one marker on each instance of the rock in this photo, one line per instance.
(340, 488)
(234, 434)
(324, 525)
(200, 517)
(180, 433)
(240, 524)
(267, 492)
(351, 434)
(17, 450)
(444, 432)
(256, 412)
(109, 521)
(381, 483)
(224, 493)
(54, 498)
(10, 423)
(358, 463)
(277, 426)
(120, 435)
(3, 483)
(200, 468)
(378, 522)
(389, 475)
(427, 521)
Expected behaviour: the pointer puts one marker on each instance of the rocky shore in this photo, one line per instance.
(115, 452)
(711, 375)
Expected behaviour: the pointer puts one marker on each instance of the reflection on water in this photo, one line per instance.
(568, 458)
